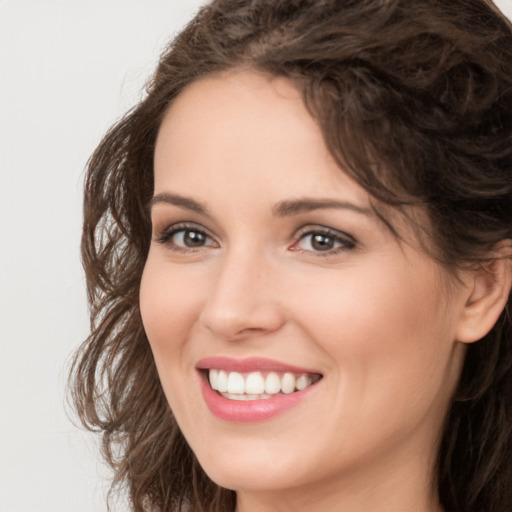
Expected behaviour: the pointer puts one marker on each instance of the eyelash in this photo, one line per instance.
(345, 241)
(166, 236)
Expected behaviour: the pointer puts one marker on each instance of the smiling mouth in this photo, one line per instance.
(258, 385)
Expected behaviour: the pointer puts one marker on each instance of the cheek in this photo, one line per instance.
(166, 299)
(169, 308)
(387, 333)
(365, 308)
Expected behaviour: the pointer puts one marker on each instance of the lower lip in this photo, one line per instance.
(247, 411)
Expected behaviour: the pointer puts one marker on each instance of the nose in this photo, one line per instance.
(242, 301)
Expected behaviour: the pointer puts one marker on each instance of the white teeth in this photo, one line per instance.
(222, 381)
(272, 384)
(245, 398)
(303, 382)
(288, 383)
(236, 383)
(254, 386)
(213, 377)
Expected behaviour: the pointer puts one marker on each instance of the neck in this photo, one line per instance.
(388, 486)
(338, 501)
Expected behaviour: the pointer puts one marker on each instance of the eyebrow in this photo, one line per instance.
(298, 206)
(281, 209)
(181, 201)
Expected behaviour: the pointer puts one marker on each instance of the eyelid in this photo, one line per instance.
(163, 236)
(347, 241)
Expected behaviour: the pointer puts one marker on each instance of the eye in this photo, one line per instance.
(184, 237)
(324, 240)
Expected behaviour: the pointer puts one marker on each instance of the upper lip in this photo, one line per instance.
(250, 364)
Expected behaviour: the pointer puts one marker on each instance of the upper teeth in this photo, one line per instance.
(255, 383)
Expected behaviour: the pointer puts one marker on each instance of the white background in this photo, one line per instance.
(68, 69)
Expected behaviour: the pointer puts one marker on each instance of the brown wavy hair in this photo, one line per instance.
(414, 99)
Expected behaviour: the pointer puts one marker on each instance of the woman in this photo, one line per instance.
(298, 256)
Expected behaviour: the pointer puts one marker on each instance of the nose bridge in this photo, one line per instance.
(240, 300)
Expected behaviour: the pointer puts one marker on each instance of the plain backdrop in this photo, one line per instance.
(68, 69)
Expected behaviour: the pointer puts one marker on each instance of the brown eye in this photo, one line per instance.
(191, 238)
(183, 238)
(324, 241)
(320, 242)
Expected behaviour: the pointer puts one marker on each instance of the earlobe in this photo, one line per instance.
(489, 292)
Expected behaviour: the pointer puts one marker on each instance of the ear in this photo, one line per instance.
(489, 289)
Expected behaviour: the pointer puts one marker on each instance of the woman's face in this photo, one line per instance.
(332, 344)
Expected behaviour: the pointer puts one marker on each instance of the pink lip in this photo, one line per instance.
(251, 364)
(252, 410)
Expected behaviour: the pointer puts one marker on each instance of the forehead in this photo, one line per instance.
(251, 129)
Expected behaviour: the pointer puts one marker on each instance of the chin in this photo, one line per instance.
(252, 470)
